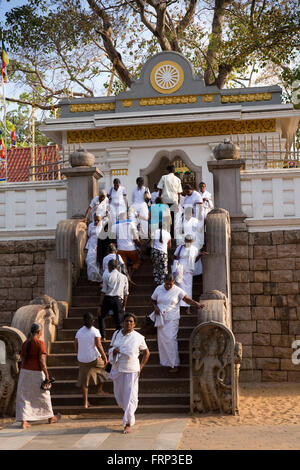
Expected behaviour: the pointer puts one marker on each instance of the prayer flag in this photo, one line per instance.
(2, 147)
(13, 139)
(5, 62)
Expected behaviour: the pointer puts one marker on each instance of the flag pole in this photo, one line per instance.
(5, 130)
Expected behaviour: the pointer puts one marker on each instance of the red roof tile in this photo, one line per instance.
(19, 161)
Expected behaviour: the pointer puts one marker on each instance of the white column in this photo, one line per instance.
(117, 162)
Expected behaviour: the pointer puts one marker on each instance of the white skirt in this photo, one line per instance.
(32, 403)
(187, 285)
(167, 344)
(93, 268)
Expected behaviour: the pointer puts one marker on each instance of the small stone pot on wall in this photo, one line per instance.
(226, 151)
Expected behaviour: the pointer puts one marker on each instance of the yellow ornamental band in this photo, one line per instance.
(166, 77)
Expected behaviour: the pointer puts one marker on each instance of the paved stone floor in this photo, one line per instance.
(149, 433)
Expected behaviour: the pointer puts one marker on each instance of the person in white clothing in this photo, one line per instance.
(125, 348)
(186, 224)
(99, 205)
(207, 199)
(154, 194)
(117, 199)
(124, 230)
(187, 256)
(170, 189)
(93, 267)
(140, 198)
(166, 299)
(91, 357)
(161, 242)
(112, 254)
(193, 199)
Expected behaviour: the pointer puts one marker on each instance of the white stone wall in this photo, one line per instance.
(31, 209)
(271, 199)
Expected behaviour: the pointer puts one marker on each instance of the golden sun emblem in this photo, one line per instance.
(166, 77)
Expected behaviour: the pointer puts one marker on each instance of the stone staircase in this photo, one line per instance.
(159, 391)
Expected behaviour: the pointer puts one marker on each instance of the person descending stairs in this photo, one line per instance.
(160, 392)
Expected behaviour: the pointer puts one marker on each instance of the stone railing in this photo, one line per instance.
(270, 199)
(31, 210)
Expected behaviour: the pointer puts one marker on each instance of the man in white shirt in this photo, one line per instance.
(170, 189)
(155, 193)
(140, 199)
(207, 199)
(124, 230)
(114, 296)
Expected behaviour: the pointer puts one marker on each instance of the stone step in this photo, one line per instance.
(68, 334)
(150, 371)
(146, 385)
(91, 300)
(70, 359)
(140, 312)
(109, 400)
(146, 289)
(107, 411)
(64, 347)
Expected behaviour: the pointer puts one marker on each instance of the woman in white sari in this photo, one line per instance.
(187, 255)
(125, 348)
(166, 299)
(93, 267)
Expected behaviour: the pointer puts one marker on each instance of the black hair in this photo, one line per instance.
(35, 328)
(202, 182)
(158, 200)
(169, 277)
(113, 264)
(187, 186)
(155, 185)
(116, 180)
(171, 168)
(112, 248)
(160, 235)
(88, 319)
(127, 315)
(140, 178)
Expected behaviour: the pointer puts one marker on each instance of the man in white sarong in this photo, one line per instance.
(207, 199)
(93, 267)
(166, 299)
(99, 205)
(117, 200)
(140, 198)
(125, 348)
(187, 256)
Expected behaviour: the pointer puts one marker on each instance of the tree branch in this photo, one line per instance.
(106, 34)
(36, 105)
(186, 20)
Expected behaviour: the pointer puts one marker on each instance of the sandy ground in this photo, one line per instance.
(269, 419)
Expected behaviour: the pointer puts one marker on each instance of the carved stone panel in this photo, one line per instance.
(213, 375)
(9, 369)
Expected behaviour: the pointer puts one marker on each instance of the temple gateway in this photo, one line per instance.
(169, 115)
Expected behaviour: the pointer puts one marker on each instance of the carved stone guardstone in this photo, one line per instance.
(214, 369)
(9, 370)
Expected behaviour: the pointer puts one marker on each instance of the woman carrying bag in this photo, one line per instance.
(126, 346)
(33, 402)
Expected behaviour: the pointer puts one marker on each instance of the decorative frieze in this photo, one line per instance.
(240, 98)
(165, 100)
(119, 172)
(171, 131)
(88, 107)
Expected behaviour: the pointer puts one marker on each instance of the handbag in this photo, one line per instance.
(148, 328)
(108, 366)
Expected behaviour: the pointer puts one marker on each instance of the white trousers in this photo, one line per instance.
(167, 343)
(126, 388)
(93, 271)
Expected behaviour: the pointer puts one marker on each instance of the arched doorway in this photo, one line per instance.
(186, 170)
